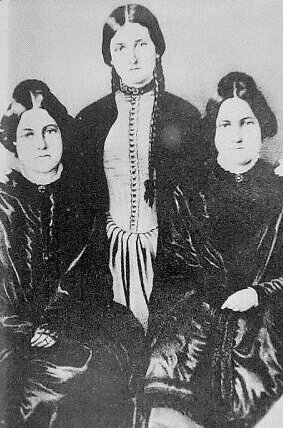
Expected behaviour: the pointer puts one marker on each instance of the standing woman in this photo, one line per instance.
(217, 357)
(135, 143)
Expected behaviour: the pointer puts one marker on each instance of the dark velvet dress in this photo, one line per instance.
(222, 368)
(54, 273)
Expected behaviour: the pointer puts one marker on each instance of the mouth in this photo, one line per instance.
(43, 156)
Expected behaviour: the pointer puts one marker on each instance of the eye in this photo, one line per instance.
(27, 135)
(141, 43)
(50, 130)
(224, 125)
(247, 121)
(119, 48)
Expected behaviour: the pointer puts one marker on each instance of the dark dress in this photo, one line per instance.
(220, 367)
(54, 273)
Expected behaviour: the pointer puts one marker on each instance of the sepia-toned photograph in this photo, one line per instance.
(141, 214)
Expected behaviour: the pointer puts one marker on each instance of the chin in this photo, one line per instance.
(245, 159)
(137, 82)
(45, 167)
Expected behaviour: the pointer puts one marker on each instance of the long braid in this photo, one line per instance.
(115, 80)
(158, 84)
(159, 88)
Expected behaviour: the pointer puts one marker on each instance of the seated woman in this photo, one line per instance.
(216, 356)
(63, 360)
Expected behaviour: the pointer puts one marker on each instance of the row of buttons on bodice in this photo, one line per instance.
(134, 161)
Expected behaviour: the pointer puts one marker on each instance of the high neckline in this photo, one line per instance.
(236, 169)
(131, 90)
(18, 181)
(260, 168)
(122, 98)
(41, 179)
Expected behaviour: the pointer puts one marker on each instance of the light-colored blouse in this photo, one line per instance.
(126, 163)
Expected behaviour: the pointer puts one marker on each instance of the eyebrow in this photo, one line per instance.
(243, 118)
(136, 41)
(46, 126)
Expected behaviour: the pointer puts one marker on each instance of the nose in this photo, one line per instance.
(237, 134)
(40, 142)
(132, 55)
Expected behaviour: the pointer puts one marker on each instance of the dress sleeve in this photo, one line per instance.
(192, 241)
(186, 261)
(270, 286)
(269, 290)
(14, 308)
(85, 289)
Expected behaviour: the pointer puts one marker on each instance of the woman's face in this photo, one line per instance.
(133, 54)
(238, 134)
(39, 143)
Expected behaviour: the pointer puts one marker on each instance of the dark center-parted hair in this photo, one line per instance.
(133, 13)
(243, 86)
(23, 100)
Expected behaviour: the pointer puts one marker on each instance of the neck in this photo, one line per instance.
(42, 178)
(226, 164)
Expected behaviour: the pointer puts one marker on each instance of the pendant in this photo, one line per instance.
(41, 188)
(238, 178)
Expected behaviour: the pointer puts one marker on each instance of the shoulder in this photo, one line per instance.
(179, 123)
(265, 172)
(173, 104)
(4, 194)
(10, 199)
(275, 186)
(98, 109)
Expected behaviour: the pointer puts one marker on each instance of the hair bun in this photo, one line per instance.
(236, 83)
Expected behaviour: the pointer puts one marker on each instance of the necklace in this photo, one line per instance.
(131, 90)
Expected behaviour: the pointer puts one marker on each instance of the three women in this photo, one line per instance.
(136, 139)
